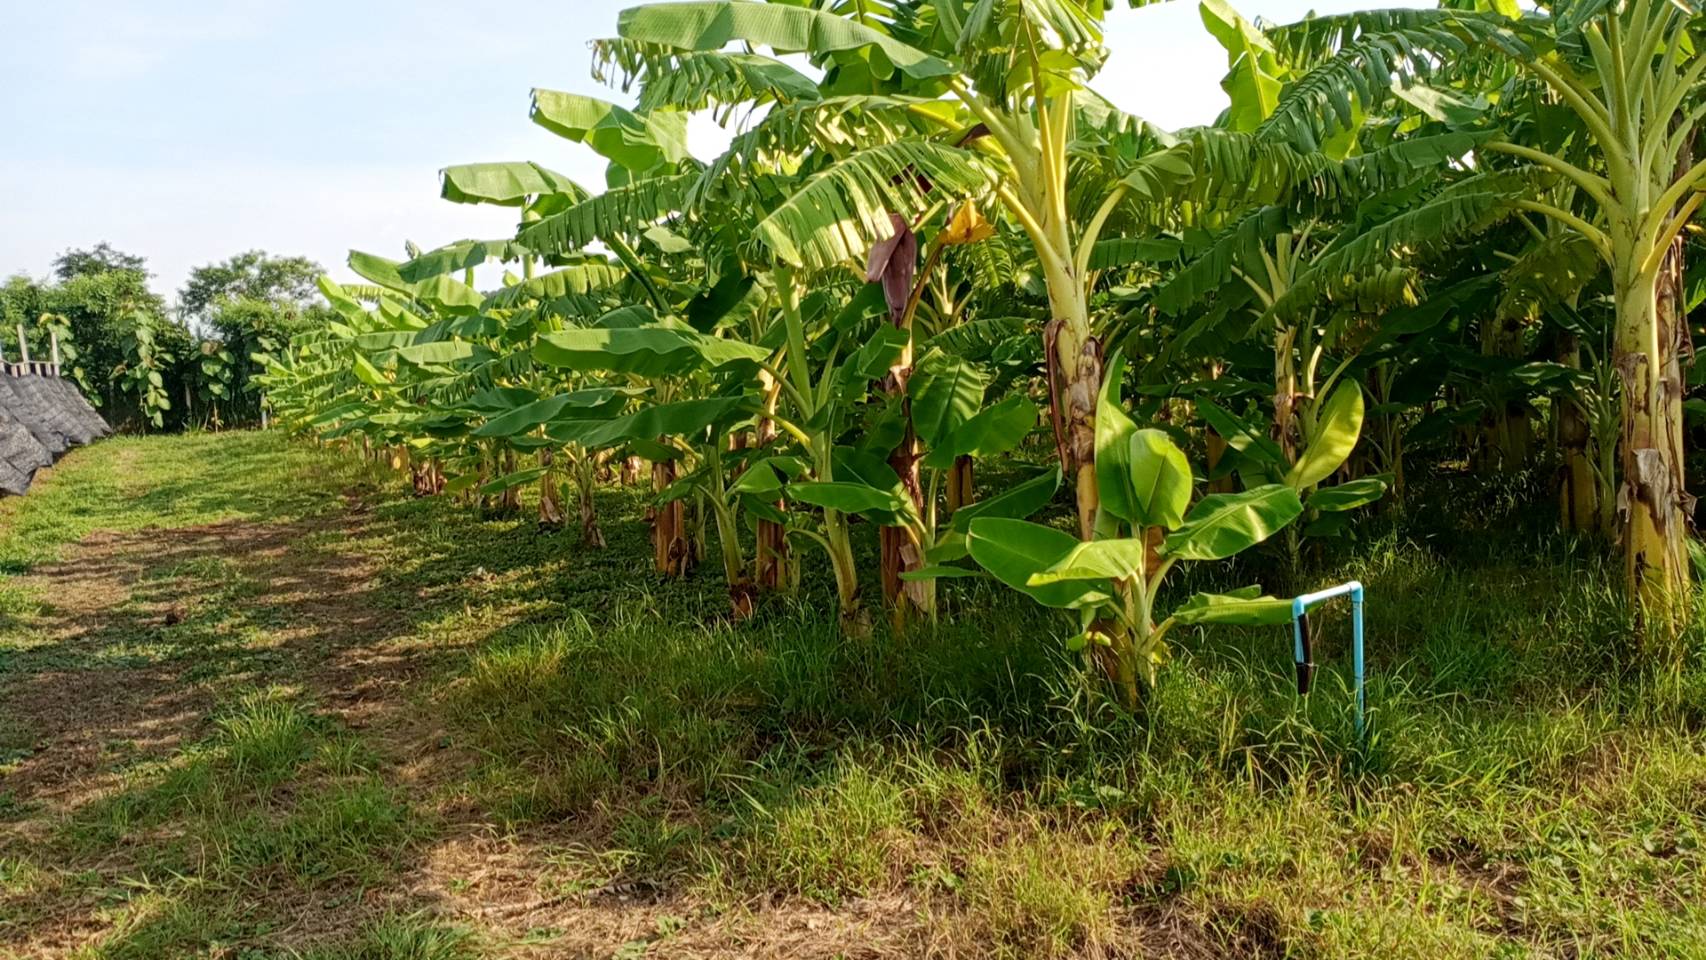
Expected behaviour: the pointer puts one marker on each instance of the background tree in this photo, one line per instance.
(105, 309)
(245, 308)
(285, 282)
(101, 258)
(124, 350)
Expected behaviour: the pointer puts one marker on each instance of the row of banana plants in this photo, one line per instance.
(931, 245)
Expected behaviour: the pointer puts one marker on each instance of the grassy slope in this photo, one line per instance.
(1521, 796)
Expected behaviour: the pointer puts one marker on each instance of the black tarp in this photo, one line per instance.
(21, 455)
(24, 405)
(81, 423)
(41, 417)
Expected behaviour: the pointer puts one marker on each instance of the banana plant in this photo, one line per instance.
(1587, 427)
(668, 354)
(894, 264)
(518, 415)
(996, 87)
(1317, 270)
(510, 322)
(390, 374)
(832, 351)
(1147, 525)
(1330, 429)
(958, 111)
(1558, 290)
(641, 148)
(454, 335)
(951, 425)
(814, 382)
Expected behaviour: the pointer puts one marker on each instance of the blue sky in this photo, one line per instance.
(189, 131)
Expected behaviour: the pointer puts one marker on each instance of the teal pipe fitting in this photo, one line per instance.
(1303, 654)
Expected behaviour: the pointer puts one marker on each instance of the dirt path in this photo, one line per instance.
(115, 598)
(137, 638)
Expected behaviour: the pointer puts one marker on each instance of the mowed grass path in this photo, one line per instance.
(256, 701)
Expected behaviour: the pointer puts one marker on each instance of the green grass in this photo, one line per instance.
(1530, 787)
(402, 938)
(137, 483)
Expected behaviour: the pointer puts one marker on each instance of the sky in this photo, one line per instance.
(190, 131)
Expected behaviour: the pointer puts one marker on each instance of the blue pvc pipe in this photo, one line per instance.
(1300, 606)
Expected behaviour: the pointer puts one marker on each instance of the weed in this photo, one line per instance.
(347, 833)
(399, 937)
(264, 737)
